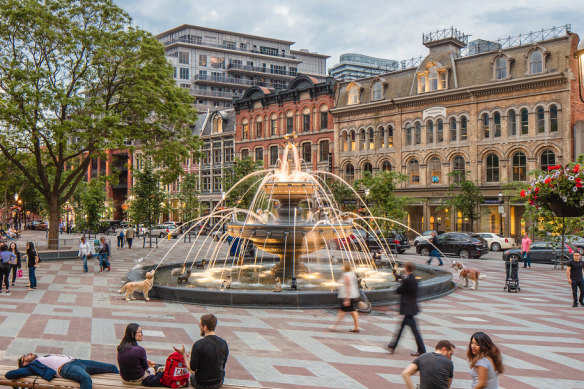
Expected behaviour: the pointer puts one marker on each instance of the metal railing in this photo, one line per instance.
(411, 63)
(199, 41)
(444, 34)
(261, 69)
(213, 93)
(238, 81)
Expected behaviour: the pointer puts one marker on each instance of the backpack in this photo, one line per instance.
(176, 372)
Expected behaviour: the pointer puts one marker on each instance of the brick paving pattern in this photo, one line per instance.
(540, 335)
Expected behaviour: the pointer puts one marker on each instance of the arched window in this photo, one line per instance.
(434, 166)
(453, 132)
(519, 165)
(389, 136)
(433, 78)
(349, 173)
(386, 165)
(492, 168)
(511, 123)
(485, 125)
(217, 124)
(497, 124)
(535, 62)
(409, 135)
(367, 167)
(259, 155)
(540, 120)
(547, 159)
(307, 152)
(259, 127)
(273, 155)
(414, 171)
(439, 131)
(501, 68)
(553, 118)
(362, 140)
(422, 84)
(381, 137)
(463, 128)
(418, 134)
(377, 91)
(245, 129)
(371, 139)
(524, 121)
(458, 167)
(354, 95)
(430, 132)
(274, 125)
(352, 141)
(289, 122)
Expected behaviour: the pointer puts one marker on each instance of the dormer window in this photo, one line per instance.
(354, 92)
(501, 68)
(434, 78)
(377, 90)
(217, 124)
(535, 62)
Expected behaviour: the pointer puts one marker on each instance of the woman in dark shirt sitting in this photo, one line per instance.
(135, 368)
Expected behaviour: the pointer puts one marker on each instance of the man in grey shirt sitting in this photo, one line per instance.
(436, 369)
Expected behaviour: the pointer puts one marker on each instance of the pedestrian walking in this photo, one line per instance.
(32, 261)
(485, 361)
(408, 306)
(84, 253)
(8, 259)
(436, 369)
(434, 253)
(121, 239)
(348, 297)
(104, 255)
(525, 249)
(14, 267)
(575, 278)
(130, 236)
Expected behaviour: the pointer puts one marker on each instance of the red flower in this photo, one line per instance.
(522, 194)
(536, 189)
(576, 169)
(548, 180)
(578, 185)
(578, 180)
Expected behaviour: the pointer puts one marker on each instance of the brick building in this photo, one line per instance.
(498, 113)
(264, 116)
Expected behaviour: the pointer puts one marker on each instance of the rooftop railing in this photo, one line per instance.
(444, 34)
(259, 69)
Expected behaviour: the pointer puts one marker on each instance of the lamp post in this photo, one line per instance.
(16, 211)
(501, 210)
(580, 58)
(367, 192)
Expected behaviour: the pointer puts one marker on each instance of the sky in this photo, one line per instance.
(389, 29)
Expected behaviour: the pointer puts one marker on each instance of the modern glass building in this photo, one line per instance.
(354, 66)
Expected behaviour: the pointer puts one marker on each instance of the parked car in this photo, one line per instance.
(542, 252)
(162, 231)
(425, 236)
(497, 241)
(342, 242)
(394, 241)
(459, 244)
(42, 226)
(32, 225)
(575, 240)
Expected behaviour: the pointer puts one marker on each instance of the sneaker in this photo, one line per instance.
(575, 305)
(29, 288)
(13, 284)
(109, 268)
(8, 293)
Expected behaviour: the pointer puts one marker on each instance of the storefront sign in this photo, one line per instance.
(433, 112)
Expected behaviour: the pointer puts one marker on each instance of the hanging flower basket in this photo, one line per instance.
(560, 190)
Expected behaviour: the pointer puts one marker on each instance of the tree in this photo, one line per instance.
(77, 79)
(242, 195)
(89, 203)
(189, 196)
(343, 195)
(464, 196)
(148, 197)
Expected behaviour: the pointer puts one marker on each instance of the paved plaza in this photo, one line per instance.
(540, 335)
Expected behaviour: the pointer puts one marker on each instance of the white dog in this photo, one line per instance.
(467, 274)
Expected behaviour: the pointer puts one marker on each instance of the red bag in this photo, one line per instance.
(176, 373)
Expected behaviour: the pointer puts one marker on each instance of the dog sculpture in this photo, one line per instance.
(467, 274)
(143, 286)
(226, 284)
(278, 287)
(201, 264)
(178, 271)
(184, 277)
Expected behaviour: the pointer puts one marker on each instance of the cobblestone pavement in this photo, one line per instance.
(540, 335)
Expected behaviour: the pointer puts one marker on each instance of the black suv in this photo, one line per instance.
(395, 241)
(458, 244)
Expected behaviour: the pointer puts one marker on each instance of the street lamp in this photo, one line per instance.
(367, 192)
(501, 210)
(580, 58)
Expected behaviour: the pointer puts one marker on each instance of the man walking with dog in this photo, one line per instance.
(408, 307)
(436, 369)
(576, 278)
(525, 249)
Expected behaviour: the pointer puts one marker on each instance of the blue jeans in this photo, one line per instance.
(103, 262)
(85, 269)
(80, 370)
(526, 259)
(32, 276)
(435, 254)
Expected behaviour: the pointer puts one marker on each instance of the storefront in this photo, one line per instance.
(489, 216)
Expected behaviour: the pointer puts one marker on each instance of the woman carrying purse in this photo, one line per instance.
(32, 263)
(14, 266)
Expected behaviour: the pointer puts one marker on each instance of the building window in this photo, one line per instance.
(458, 167)
(259, 128)
(184, 73)
(259, 155)
(519, 165)
(183, 57)
(418, 134)
(244, 153)
(289, 124)
(354, 95)
(202, 60)
(409, 135)
(501, 68)
(422, 84)
(273, 155)
(377, 91)
(463, 128)
(535, 62)
(386, 165)
(352, 141)
(553, 118)
(371, 139)
(274, 126)
(414, 171)
(432, 79)
(439, 131)
(218, 62)
(389, 136)
(497, 124)
(434, 166)
(217, 154)
(492, 168)
(453, 135)
(228, 151)
(540, 120)
(511, 123)
(324, 151)
(524, 122)
(245, 130)
(307, 152)
(430, 132)
(306, 122)
(362, 140)
(349, 173)
(485, 125)
(547, 159)
(323, 120)
(174, 72)
(367, 167)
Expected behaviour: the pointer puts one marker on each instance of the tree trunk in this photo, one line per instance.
(54, 217)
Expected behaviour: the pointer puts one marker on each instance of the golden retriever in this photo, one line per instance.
(467, 274)
(138, 286)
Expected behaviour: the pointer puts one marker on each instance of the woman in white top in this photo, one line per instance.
(485, 362)
(84, 250)
(349, 297)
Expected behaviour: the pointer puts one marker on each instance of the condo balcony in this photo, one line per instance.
(246, 69)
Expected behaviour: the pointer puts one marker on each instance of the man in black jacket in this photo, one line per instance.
(408, 307)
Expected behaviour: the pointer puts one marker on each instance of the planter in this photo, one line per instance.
(561, 209)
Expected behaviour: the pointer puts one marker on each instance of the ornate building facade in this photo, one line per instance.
(498, 115)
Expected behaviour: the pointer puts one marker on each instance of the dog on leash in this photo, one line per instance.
(467, 274)
(143, 286)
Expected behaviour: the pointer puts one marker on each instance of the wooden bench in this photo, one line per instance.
(100, 381)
